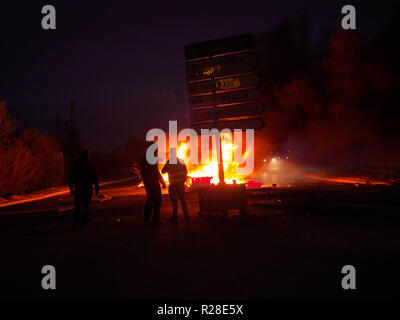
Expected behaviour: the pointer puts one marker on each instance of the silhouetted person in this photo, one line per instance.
(81, 180)
(177, 175)
(152, 179)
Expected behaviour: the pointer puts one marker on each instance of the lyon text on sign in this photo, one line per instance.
(239, 82)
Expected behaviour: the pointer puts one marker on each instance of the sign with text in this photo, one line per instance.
(224, 98)
(239, 110)
(219, 46)
(229, 65)
(256, 124)
(239, 82)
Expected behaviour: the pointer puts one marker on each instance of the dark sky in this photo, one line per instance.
(123, 61)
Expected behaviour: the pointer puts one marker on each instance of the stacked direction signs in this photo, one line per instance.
(223, 84)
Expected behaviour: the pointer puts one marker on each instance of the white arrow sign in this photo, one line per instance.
(256, 124)
(224, 98)
(239, 110)
(232, 64)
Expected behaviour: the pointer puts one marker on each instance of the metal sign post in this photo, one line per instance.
(221, 175)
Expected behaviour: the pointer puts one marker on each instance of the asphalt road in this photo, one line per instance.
(292, 245)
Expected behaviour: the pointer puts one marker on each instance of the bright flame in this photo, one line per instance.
(211, 170)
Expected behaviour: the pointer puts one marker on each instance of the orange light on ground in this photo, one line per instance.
(351, 180)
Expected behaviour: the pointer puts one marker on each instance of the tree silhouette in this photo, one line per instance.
(29, 160)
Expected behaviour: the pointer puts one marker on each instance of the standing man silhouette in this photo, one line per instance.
(177, 175)
(81, 180)
(152, 179)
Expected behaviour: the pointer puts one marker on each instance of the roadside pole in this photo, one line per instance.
(220, 159)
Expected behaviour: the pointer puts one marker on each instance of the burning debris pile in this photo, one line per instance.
(202, 157)
(208, 174)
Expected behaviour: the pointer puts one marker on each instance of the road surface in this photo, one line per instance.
(292, 245)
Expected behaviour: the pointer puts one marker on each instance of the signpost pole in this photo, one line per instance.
(221, 175)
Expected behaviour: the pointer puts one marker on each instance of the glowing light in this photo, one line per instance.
(182, 151)
(352, 180)
(210, 71)
(210, 170)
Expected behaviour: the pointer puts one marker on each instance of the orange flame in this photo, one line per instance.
(211, 169)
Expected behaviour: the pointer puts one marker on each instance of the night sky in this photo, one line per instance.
(123, 61)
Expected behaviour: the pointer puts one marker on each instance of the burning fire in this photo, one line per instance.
(208, 173)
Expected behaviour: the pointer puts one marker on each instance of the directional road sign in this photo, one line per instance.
(256, 124)
(219, 46)
(239, 82)
(228, 65)
(239, 110)
(224, 98)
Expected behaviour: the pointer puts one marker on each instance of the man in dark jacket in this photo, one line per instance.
(177, 175)
(152, 179)
(81, 180)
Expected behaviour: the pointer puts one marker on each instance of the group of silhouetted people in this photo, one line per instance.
(152, 179)
(83, 177)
